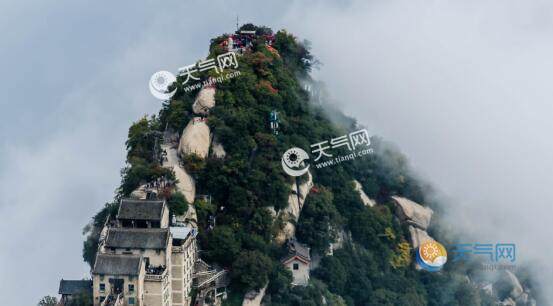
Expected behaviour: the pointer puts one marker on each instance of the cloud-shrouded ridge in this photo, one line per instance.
(461, 86)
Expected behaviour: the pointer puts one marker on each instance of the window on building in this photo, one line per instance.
(102, 287)
(101, 276)
(131, 288)
(158, 252)
(296, 266)
(131, 301)
(102, 298)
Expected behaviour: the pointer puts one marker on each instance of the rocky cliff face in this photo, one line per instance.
(217, 149)
(291, 213)
(364, 198)
(204, 101)
(417, 217)
(517, 296)
(413, 213)
(196, 138)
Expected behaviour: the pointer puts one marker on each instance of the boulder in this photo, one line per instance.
(339, 243)
(364, 198)
(418, 236)
(291, 213)
(286, 232)
(196, 138)
(523, 299)
(412, 213)
(508, 302)
(254, 297)
(513, 283)
(297, 197)
(487, 287)
(272, 211)
(205, 100)
(217, 149)
(139, 193)
(143, 192)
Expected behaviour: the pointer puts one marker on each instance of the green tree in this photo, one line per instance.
(177, 204)
(318, 221)
(251, 270)
(193, 163)
(222, 245)
(48, 301)
(142, 138)
(280, 279)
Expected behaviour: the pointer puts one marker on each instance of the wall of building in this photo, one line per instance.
(189, 261)
(177, 273)
(156, 258)
(182, 261)
(301, 275)
(137, 281)
(165, 218)
(158, 292)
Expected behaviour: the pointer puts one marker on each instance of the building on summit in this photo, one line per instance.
(141, 259)
(143, 214)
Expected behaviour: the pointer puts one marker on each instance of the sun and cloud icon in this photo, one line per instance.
(431, 256)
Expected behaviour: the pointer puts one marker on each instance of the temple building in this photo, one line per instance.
(143, 261)
(298, 261)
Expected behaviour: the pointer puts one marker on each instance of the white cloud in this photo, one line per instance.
(461, 86)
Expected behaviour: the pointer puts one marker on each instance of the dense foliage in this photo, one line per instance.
(236, 228)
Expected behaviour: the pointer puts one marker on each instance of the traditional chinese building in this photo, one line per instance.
(143, 214)
(118, 280)
(70, 289)
(141, 260)
(298, 261)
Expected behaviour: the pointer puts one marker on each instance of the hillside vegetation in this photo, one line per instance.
(374, 267)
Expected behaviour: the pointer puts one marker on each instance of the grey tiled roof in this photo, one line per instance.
(151, 238)
(297, 249)
(110, 264)
(71, 287)
(140, 209)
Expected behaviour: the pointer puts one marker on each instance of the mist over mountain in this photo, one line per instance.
(485, 118)
(360, 218)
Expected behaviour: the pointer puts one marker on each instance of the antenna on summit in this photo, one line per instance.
(236, 22)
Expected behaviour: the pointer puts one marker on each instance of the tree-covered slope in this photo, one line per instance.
(374, 267)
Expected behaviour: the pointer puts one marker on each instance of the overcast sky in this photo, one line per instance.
(462, 87)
